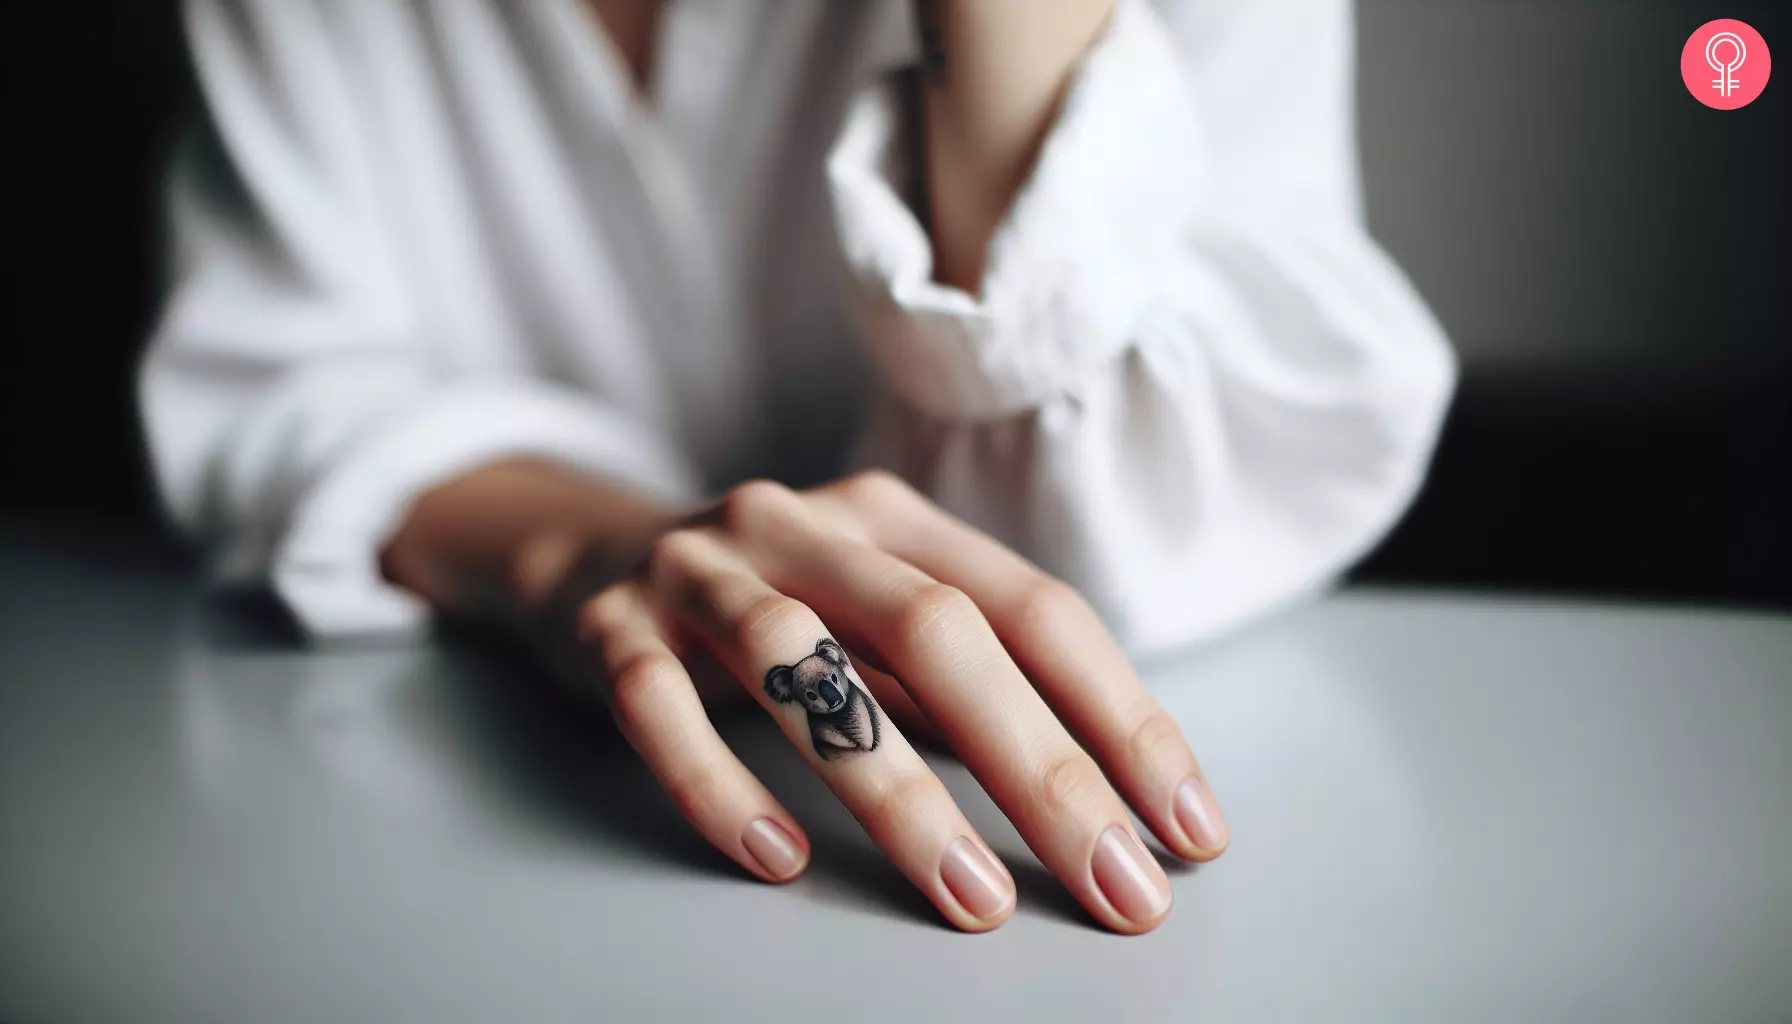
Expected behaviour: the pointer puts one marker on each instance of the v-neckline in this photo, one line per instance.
(589, 44)
(698, 301)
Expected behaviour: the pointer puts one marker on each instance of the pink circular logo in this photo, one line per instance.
(1726, 64)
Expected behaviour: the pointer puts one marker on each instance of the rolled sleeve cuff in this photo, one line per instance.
(1074, 267)
(327, 567)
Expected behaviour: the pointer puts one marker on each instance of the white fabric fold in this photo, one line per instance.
(426, 236)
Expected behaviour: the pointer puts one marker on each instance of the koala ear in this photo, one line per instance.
(780, 684)
(830, 650)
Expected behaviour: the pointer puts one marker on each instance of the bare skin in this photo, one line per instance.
(943, 625)
(993, 75)
(633, 28)
(857, 613)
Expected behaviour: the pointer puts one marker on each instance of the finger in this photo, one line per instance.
(658, 710)
(935, 641)
(781, 651)
(896, 702)
(1062, 646)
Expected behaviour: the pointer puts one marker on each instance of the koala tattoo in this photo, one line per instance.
(842, 716)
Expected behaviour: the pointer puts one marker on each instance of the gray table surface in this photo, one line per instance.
(1443, 807)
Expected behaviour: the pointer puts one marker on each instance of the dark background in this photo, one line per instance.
(1609, 256)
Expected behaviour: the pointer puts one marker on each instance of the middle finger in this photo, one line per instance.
(933, 638)
(783, 654)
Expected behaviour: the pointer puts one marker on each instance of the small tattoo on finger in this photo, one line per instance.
(843, 719)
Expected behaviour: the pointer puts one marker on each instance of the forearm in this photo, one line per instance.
(994, 72)
(502, 537)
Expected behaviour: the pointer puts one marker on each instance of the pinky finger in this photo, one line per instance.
(657, 708)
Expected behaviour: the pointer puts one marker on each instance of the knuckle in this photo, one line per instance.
(601, 615)
(770, 617)
(1070, 785)
(643, 684)
(1156, 740)
(933, 609)
(1046, 604)
(749, 506)
(876, 486)
(675, 553)
(904, 797)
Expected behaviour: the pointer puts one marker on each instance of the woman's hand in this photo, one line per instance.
(946, 627)
(1005, 662)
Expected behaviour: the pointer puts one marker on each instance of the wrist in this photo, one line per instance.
(503, 537)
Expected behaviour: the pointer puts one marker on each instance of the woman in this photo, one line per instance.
(475, 302)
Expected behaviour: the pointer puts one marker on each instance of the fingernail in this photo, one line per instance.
(1200, 817)
(1129, 876)
(976, 879)
(773, 848)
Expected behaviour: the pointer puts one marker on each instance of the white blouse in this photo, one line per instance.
(421, 236)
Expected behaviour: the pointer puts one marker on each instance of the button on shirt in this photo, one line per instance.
(413, 238)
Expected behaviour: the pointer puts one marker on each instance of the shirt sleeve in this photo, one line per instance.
(1191, 383)
(293, 408)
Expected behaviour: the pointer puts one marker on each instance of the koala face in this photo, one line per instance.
(820, 684)
(819, 681)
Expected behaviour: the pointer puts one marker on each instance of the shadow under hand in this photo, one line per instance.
(471, 731)
(561, 760)
(1041, 892)
(845, 867)
(859, 875)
